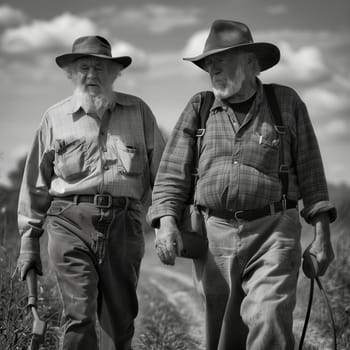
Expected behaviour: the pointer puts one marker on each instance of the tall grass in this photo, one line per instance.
(15, 317)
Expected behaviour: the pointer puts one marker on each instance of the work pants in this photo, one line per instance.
(248, 281)
(96, 255)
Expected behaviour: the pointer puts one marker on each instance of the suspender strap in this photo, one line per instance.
(207, 99)
(281, 130)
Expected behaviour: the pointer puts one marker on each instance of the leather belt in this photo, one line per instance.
(104, 200)
(252, 214)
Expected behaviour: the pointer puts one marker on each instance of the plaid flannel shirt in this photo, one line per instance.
(239, 164)
(76, 153)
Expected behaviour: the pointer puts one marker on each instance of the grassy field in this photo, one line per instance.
(161, 325)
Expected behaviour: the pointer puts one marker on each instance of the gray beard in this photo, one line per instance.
(233, 86)
(96, 104)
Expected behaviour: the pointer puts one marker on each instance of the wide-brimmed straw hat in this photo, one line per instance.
(95, 46)
(230, 35)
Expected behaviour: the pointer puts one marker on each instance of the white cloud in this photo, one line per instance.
(323, 39)
(155, 18)
(333, 130)
(139, 57)
(10, 16)
(161, 18)
(337, 128)
(322, 100)
(194, 47)
(57, 36)
(304, 64)
(195, 44)
(61, 31)
(277, 9)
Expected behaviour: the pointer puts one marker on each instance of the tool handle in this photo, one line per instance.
(31, 278)
(310, 265)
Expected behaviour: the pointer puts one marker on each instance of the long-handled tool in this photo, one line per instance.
(39, 326)
(310, 268)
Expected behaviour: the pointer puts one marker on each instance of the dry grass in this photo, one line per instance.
(15, 317)
(160, 326)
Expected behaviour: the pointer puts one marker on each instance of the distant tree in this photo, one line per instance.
(9, 200)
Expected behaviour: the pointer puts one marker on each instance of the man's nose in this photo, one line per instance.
(216, 68)
(91, 72)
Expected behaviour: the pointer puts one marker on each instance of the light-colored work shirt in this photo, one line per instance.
(75, 153)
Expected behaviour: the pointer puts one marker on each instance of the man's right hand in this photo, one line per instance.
(27, 261)
(168, 241)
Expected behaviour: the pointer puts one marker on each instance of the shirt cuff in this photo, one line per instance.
(309, 213)
(155, 213)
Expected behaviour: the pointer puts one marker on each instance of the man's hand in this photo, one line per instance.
(27, 261)
(168, 240)
(321, 246)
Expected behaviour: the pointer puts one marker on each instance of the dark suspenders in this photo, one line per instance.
(204, 110)
(207, 99)
(281, 130)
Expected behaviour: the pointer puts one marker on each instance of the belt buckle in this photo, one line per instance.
(236, 213)
(98, 204)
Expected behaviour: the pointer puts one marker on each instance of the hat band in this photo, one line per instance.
(93, 50)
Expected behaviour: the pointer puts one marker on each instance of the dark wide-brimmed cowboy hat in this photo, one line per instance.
(95, 46)
(230, 35)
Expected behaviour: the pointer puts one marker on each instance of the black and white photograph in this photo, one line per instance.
(174, 175)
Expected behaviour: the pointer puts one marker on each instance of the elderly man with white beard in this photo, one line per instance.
(259, 156)
(88, 173)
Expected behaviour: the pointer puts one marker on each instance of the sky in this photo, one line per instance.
(313, 36)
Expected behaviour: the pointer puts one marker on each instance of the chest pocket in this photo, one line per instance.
(70, 159)
(261, 151)
(130, 160)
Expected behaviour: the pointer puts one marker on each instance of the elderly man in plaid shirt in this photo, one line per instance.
(248, 277)
(91, 166)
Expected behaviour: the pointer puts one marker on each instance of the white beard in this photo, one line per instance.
(233, 86)
(96, 104)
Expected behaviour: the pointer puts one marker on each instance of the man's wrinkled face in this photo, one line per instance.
(93, 76)
(227, 72)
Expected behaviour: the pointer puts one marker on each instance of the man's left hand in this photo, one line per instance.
(321, 246)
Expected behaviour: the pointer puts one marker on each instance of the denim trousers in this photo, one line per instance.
(248, 281)
(96, 255)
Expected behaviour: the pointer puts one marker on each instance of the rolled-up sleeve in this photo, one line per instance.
(310, 172)
(173, 182)
(34, 198)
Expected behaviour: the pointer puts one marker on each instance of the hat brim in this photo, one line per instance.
(268, 54)
(65, 59)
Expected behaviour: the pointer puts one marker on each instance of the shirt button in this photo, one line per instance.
(235, 162)
(105, 167)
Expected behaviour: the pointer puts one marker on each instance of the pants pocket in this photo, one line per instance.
(57, 207)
